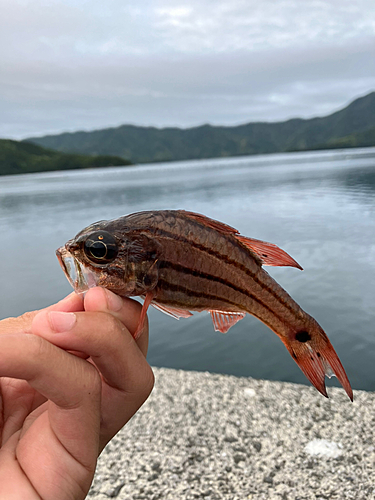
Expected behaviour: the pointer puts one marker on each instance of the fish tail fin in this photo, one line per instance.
(317, 358)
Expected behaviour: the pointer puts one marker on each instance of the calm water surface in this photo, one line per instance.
(320, 207)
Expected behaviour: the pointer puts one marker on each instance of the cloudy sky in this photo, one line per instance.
(69, 65)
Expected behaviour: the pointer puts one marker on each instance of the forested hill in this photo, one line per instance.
(353, 126)
(23, 158)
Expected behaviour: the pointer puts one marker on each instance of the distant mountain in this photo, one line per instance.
(356, 140)
(350, 126)
(23, 158)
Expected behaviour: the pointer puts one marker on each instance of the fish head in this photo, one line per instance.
(111, 257)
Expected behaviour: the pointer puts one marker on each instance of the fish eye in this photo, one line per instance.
(101, 247)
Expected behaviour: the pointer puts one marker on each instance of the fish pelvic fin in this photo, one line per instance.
(317, 359)
(174, 312)
(223, 321)
(269, 253)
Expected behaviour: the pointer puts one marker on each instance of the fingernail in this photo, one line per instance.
(114, 302)
(61, 321)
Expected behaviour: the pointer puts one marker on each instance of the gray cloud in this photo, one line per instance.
(68, 65)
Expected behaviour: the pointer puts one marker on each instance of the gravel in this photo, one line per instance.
(209, 436)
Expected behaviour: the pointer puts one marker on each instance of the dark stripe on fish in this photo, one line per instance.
(182, 304)
(225, 258)
(192, 272)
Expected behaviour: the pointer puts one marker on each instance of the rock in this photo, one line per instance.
(202, 433)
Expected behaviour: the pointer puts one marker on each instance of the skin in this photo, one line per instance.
(59, 409)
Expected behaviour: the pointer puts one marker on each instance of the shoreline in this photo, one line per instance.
(262, 159)
(211, 436)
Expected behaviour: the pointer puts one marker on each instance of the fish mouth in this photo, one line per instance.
(81, 278)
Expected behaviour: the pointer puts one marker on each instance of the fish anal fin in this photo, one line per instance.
(269, 253)
(172, 311)
(214, 224)
(316, 363)
(224, 320)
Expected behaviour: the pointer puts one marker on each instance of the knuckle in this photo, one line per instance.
(18, 324)
(38, 345)
(42, 348)
(140, 386)
(38, 348)
(26, 319)
(94, 382)
(148, 382)
(27, 316)
(113, 325)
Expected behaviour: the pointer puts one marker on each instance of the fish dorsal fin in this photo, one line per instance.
(269, 254)
(214, 224)
(224, 320)
(172, 311)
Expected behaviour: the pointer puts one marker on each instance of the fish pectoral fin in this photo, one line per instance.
(172, 311)
(268, 253)
(223, 320)
(148, 298)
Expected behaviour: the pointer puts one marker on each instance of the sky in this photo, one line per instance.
(68, 65)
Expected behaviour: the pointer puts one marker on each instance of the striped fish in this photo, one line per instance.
(181, 261)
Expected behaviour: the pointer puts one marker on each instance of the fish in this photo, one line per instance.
(180, 261)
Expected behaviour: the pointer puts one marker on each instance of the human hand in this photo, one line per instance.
(58, 410)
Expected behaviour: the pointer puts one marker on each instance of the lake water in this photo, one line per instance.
(319, 207)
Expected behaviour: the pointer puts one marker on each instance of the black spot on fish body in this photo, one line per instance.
(303, 336)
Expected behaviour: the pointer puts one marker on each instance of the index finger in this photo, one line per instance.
(22, 324)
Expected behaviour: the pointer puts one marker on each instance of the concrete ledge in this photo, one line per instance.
(209, 436)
